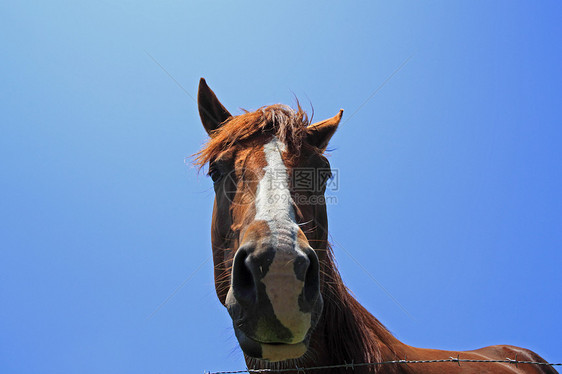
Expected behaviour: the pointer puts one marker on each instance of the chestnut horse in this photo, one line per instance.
(274, 269)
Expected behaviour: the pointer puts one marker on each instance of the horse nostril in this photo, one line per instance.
(243, 284)
(312, 278)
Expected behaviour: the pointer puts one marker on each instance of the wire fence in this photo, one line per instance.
(352, 366)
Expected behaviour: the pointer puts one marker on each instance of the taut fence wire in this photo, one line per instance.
(352, 366)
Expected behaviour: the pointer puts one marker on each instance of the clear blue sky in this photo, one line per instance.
(450, 176)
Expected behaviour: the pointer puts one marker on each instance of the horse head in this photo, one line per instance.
(269, 226)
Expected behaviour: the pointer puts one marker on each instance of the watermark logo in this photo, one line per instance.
(307, 186)
(314, 179)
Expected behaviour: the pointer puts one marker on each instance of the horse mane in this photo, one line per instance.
(282, 121)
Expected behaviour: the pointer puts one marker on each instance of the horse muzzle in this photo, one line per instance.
(274, 299)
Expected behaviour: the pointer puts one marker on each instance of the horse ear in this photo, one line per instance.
(211, 111)
(320, 133)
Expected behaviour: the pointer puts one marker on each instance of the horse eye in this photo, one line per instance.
(215, 174)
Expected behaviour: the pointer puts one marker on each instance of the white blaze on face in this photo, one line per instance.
(273, 199)
(274, 205)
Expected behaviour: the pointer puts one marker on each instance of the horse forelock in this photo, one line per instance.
(287, 124)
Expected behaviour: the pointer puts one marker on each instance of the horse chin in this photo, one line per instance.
(271, 352)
